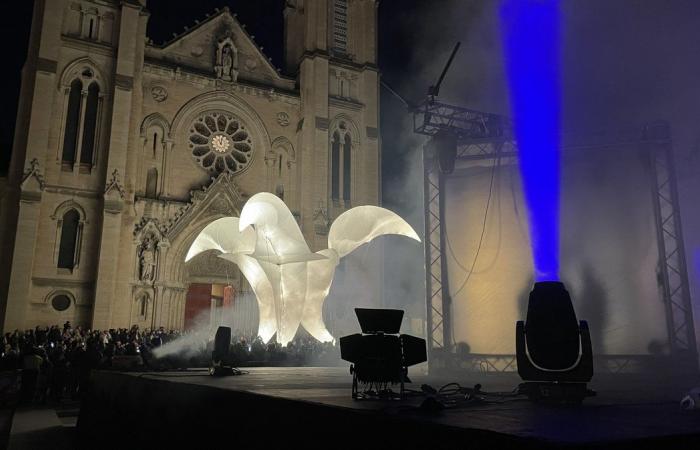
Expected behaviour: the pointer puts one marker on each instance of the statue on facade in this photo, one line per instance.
(226, 67)
(147, 261)
(227, 62)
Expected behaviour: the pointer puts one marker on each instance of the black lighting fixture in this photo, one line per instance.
(554, 354)
(380, 356)
(222, 361)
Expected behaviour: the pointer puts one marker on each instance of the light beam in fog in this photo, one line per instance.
(531, 44)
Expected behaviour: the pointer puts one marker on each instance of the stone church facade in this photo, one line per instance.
(124, 150)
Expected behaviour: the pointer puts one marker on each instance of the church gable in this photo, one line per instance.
(219, 46)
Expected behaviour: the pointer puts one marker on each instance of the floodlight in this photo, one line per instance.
(380, 357)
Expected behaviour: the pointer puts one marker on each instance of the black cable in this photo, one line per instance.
(483, 228)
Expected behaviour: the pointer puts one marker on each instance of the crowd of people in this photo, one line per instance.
(56, 361)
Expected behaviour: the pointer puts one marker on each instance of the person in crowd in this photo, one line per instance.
(56, 362)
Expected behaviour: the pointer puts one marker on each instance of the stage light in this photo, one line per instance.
(221, 359)
(554, 353)
(289, 281)
(380, 357)
(531, 43)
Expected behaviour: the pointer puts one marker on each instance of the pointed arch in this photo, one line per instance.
(83, 68)
(155, 120)
(344, 144)
(84, 89)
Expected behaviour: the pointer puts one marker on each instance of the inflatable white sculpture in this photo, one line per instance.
(289, 281)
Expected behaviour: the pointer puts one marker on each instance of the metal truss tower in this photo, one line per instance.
(483, 136)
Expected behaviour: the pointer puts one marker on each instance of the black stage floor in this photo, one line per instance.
(312, 407)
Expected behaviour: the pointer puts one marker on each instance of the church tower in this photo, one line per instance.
(332, 46)
(65, 183)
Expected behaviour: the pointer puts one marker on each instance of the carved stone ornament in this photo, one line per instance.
(251, 64)
(33, 172)
(283, 119)
(159, 93)
(226, 67)
(197, 51)
(115, 184)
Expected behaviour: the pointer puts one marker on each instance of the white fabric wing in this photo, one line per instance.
(278, 233)
(224, 236)
(361, 224)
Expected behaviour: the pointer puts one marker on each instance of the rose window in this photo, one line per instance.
(220, 142)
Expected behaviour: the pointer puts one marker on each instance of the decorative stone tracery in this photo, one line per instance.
(220, 142)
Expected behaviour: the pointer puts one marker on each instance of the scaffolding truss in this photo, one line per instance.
(483, 136)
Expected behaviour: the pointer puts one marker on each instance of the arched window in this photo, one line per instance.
(152, 183)
(341, 163)
(70, 138)
(155, 142)
(90, 125)
(346, 168)
(335, 166)
(279, 187)
(68, 245)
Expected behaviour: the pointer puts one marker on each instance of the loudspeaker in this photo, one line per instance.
(445, 148)
(222, 343)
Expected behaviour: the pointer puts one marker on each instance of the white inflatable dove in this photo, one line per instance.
(290, 282)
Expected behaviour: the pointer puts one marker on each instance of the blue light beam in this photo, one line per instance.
(530, 32)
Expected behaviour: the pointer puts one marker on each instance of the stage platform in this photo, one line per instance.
(312, 407)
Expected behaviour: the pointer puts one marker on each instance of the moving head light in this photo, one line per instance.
(380, 357)
(554, 354)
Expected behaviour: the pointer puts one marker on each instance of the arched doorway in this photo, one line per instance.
(209, 291)
(217, 294)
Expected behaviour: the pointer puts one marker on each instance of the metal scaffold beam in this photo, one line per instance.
(672, 267)
(672, 261)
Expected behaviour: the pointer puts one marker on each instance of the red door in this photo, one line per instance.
(198, 302)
